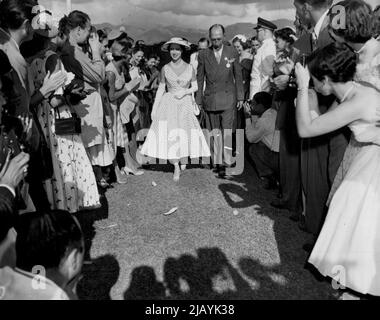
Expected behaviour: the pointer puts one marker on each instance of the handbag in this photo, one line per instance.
(8, 143)
(43, 153)
(67, 126)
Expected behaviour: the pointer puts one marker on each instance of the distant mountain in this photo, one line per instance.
(247, 28)
(163, 33)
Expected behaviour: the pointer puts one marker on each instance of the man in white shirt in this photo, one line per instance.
(50, 251)
(262, 68)
(264, 138)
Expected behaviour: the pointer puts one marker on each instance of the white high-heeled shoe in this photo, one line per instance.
(127, 171)
(177, 173)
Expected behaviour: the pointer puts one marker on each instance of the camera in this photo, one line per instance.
(292, 77)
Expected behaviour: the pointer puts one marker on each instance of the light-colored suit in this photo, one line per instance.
(262, 68)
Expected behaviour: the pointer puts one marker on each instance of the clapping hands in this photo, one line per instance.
(14, 170)
(52, 82)
(27, 123)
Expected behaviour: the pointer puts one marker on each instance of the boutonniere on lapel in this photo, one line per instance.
(229, 61)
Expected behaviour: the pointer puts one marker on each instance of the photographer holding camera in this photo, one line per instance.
(261, 133)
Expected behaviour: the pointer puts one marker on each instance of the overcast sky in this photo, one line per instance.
(187, 13)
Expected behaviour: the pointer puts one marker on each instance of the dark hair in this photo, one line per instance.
(13, 13)
(73, 20)
(140, 43)
(335, 61)
(246, 45)
(136, 49)
(121, 37)
(263, 98)
(375, 21)
(204, 40)
(45, 238)
(358, 21)
(101, 34)
(285, 34)
(153, 56)
(318, 4)
(217, 26)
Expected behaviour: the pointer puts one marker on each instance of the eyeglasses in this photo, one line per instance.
(216, 39)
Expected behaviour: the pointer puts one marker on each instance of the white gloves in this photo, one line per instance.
(160, 92)
(181, 93)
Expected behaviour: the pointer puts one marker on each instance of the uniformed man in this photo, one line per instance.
(262, 68)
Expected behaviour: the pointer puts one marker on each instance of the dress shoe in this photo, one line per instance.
(278, 204)
(104, 184)
(308, 247)
(222, 173)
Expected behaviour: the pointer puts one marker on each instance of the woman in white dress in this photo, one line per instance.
(175, 134)
(365, 41)
(348, 247)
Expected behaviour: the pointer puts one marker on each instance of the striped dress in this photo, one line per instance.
(175, 132)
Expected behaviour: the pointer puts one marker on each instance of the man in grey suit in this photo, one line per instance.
(219, 67)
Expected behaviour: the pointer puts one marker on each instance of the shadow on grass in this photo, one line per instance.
(209, 276)
(98, 279)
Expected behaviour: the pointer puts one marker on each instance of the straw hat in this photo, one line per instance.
(176, 40)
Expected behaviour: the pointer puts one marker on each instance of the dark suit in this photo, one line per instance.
(290, 150)
(321, 157)
(7, 211)
(224, 86)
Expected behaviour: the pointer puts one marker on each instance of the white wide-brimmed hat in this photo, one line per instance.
(241, 37)
(176, 40)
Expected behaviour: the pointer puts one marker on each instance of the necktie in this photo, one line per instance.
(218, 56)
(314, 39)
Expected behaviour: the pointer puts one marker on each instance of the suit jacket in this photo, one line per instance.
(224, 81)
(7, 202)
